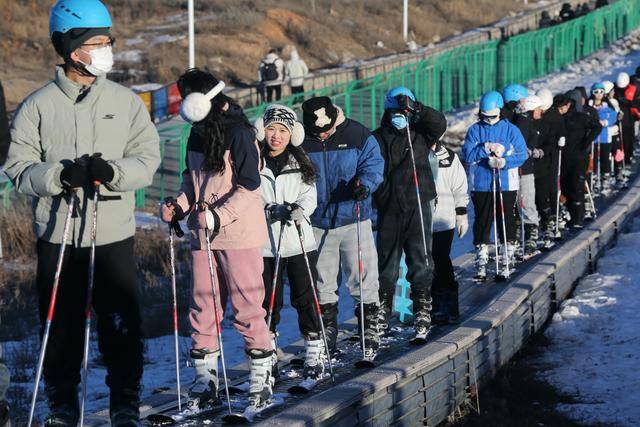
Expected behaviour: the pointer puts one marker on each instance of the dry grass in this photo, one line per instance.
(232, 36)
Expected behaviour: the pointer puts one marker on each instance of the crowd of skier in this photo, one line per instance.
(319, 199)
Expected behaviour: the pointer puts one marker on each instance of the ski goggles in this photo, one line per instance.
(598, 91)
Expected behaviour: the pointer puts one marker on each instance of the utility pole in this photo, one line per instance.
(405, 21)
(192, 37)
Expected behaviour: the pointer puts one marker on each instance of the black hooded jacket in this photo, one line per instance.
(397, 192)
(531, 134)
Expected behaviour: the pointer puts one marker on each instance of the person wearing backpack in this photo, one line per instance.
(271, 75)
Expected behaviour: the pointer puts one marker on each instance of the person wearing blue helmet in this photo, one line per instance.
(493, 145)
(77, 134)
(603, 143)
(512, 95)
(399, 223)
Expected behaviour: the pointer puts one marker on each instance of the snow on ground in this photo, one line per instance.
(595, 341)
(160, 363)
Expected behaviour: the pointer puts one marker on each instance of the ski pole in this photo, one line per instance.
(522, 231)
(624, 161)
(496, 241)
(87, 312)
(215, 313)
(417, 185)
(314, 291)
(274, 281)
(593, 206)
(592, 158)
(559, 191)
(361, 281)
(504, 227)
(598, 168)
(52, 304)
(174, 227)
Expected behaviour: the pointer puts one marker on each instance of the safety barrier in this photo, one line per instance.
(425, 386)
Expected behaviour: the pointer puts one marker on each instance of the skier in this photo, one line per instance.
(582, 129)
(349, 165)
(617, 149)
(552, 138)
(271, 75)
(630, 107)
(296, 70)
(529, 112)
(512, 94)
(608, 118)
(78, 114)
(399, 224)
(450, 215)
(493, 146)
(289, 196)
(220, 193)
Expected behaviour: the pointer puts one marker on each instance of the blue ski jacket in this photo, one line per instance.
(350, 153)
(477, 157)
(608, 115)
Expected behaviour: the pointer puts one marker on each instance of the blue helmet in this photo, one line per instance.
(596, 86)
(514, 92)
(491, 101)
(391, 99)
(69, 14)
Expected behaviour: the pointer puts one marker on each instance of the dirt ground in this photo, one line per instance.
(233, 35)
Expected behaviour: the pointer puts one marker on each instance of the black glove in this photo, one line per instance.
(279, 212)
(359, 192)
(74, 176)
(100, 170)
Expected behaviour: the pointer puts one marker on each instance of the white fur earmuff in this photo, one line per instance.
(197, 105)
(259, 126)
(297, 136)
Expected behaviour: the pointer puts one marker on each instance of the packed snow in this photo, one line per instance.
(595, 341)
(159, 358)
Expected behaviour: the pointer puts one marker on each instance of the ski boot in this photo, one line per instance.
(203, 393)
(439, 311)
(63, 404)
(371, 337)
(314, 357)
(530, 240)
(421, 315)
(445, 307)
(124, 406)
(452, 306)
(330, 320)
(384, 311)
(260, 380)
(549, 235)
(481, 261)
(275, 370)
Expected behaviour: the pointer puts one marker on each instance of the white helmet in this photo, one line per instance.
(623, 80)
(608, 86)
(546, 97)
(530, 103)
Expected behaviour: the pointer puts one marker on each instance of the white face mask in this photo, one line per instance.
(101, 61)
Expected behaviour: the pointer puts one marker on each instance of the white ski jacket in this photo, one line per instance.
(297, 69)
(272, 58)
(288, 187)
(451, 187)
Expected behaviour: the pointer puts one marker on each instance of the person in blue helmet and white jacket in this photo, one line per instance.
(493, 144)
(76, 116)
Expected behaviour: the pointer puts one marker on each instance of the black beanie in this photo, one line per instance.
(319, 115)
(66, 43)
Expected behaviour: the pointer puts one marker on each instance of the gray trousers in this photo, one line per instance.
(338, 250)
(528, 195)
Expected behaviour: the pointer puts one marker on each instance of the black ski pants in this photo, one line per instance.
(483, 206)
(573, 184)
(300, 287)
(444, 279)
(116, 302)
(546, 182)
(400, 232)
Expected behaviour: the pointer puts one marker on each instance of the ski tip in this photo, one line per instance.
(235, 419)
(418, 341)
(364, 364)
(501, 278)
(160, 420)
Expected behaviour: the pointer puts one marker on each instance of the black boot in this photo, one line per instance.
(452, 306)
(439, 311)
(385, 310)
(330, 320)
(124, 408)
(531, 239)
(422, 308)
(63, 405)
(371, 337)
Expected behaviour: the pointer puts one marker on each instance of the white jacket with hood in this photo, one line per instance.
(297, 69)
(272, 58)
(451, 187)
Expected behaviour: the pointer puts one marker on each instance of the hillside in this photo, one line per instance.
(232, 36)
